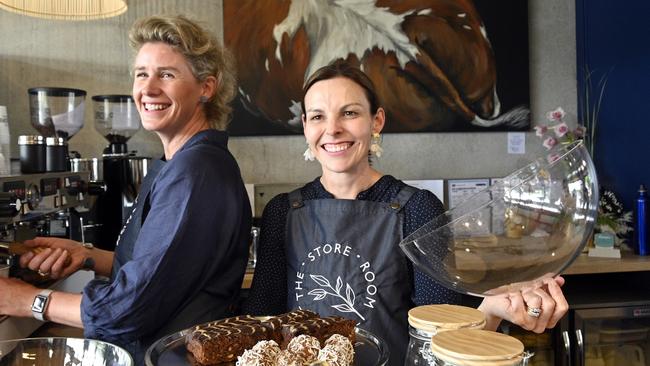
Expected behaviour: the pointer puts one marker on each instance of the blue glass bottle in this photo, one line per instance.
(640, 224)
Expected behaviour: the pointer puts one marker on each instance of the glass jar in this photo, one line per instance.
(427, 321)
(419, 348)
(478, 347)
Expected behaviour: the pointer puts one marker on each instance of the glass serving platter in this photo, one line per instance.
(170, 350)
(62, 351)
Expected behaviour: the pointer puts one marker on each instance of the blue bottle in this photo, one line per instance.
(640, 224)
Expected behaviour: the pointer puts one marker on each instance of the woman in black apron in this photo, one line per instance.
(182, 254)
(332, 245)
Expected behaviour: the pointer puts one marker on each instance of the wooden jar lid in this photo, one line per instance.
(476, 347)
(434, 318)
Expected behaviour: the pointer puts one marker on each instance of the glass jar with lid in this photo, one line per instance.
(478, 347)
(429, 320)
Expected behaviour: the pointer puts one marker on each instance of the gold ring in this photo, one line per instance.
(44, 274)
(534, 312)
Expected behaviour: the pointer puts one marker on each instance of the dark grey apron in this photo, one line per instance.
(344, 259)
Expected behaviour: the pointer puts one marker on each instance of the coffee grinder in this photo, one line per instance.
(57, 114)
(117, 119)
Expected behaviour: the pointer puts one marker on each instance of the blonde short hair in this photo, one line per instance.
(205, 55)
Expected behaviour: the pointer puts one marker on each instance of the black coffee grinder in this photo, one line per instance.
(117, 119)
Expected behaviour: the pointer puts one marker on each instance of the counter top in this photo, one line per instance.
(584, 264)
(591, 265)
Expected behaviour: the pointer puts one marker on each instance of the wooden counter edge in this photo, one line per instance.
(591, 265)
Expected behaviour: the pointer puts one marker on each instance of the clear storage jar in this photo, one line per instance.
(427, 321)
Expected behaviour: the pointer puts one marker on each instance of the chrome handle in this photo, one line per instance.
(567, 347)
(84, 227)
(581, 346)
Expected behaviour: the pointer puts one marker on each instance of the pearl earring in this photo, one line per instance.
(308, 154)
(375, 145)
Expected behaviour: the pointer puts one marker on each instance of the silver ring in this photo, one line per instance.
(44, 274)
(534, 312)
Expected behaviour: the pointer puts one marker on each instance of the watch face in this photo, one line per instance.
(39, 303)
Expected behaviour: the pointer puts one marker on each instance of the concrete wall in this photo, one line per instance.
(95, 56)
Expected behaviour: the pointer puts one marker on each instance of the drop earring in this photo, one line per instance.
(375, 145)
(203, 99)
(308, 154)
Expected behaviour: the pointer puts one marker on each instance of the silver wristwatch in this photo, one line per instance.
(40, 304)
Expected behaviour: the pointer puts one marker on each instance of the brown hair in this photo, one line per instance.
(341, 68)
(205, 55)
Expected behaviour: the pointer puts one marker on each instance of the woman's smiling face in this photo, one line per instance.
(338, 125)
(166, 92)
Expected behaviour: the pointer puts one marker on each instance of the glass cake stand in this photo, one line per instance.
(62, 351)
(369, 350)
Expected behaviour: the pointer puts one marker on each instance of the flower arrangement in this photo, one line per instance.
(558, 131)
(611, 216)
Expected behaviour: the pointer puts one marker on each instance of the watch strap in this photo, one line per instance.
(40, 303)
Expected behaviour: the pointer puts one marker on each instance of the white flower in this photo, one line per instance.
(556, 115)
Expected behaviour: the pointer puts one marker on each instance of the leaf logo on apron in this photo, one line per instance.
(348, 301)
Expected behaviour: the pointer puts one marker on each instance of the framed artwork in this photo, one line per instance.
(438, 66)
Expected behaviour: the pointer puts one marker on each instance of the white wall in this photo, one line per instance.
(95, 56)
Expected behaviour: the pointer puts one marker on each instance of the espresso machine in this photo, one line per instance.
(117, 119)
(43, 204)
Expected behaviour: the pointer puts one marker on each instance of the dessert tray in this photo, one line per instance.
(170, 350)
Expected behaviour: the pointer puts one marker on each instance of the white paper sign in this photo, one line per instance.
(516, 143)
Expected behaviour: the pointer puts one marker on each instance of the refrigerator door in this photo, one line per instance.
(612, 336)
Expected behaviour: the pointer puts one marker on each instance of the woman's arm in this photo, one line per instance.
(18, 296)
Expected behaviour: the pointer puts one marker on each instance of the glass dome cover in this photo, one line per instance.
(528, 226)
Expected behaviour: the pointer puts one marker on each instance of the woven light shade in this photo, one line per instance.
(66, 9)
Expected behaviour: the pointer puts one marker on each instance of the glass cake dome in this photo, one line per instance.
(527, 227)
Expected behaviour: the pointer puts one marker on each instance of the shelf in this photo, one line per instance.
(590, 265)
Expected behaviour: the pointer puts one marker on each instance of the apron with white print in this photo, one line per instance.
(344, 259)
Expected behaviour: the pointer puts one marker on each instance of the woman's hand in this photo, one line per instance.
(535, 309)
(59, 258)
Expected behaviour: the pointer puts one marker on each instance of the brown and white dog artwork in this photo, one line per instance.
(432, 61)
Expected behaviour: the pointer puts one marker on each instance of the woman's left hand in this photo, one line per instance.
(16, 297)
(535, 309)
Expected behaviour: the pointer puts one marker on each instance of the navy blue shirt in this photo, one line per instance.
(182, 258)
(268, 294)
